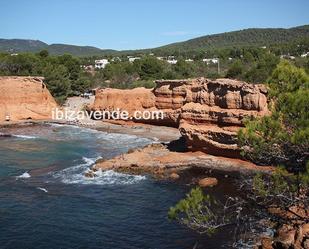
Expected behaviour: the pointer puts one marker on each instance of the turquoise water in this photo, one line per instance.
(46, 202)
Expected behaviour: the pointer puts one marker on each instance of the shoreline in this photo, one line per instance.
(163, 158)
(156, 133)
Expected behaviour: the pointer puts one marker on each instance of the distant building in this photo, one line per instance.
(285, 56)
(188, 60)
(132, 59)
(171, 61)
(230, 58)
(211, 60)
(160, 58)
(305, 55)
(114, 59)
(101, 63)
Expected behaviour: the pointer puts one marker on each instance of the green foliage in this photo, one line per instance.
(247, 37)
(57, 81)
(287, 78)
(43, 53)
(282, 137)
(278, 183)
(235, 71)
(254, 66)
(63, 74)
(150, 68)
(141, 83)
(262, 69)
(197, 212)
(281, 189)
(184, 69)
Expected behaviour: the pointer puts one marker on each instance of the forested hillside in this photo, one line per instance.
(236, 39)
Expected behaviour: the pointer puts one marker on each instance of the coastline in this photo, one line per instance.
(164, 158)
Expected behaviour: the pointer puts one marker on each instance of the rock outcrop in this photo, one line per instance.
(25, 98)
(158, 160)
(208, 112)
(130, 100)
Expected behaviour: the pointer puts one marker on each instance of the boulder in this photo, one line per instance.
(266, 243)
(208, 182)
(285, 237)
(174, 176)
(89, 174)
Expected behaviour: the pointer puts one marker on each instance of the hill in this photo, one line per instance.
(22, 45)
(246, 37)
(241, 38)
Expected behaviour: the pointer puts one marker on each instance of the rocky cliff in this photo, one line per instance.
(208, 112)
(110, 99)
(25, 98)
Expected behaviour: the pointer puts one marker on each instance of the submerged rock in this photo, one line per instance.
(89, 174)
(208, 182)
(5, 135)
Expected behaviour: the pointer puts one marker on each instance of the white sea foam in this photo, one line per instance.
(24, 136)
(76, 175)
(43, 189)
(63, 125)
(23, 176)
(105, 135)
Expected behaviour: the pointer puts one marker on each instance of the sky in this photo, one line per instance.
(135, 24)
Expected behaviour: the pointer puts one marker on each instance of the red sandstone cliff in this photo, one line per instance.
(208, 112)
(25, 98)
(110, 99)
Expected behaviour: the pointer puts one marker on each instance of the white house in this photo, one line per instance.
(211, 60)
(172, 61)
(305, 55)
(101, 63)
(132, 59)
(188, 60)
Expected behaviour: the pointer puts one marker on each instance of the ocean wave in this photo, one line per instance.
(76, 175)
(23, 176)
(24, 136)
(42, 189)
(62, 125)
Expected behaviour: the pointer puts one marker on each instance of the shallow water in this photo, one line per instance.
(46, 202)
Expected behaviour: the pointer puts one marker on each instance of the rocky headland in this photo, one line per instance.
(208, 114)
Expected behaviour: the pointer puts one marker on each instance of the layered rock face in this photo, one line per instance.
(110, 99)
(208, 112)
(25, 98)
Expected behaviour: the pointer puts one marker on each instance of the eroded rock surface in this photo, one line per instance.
(25, 98)
(208, 112)
(158, 160)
